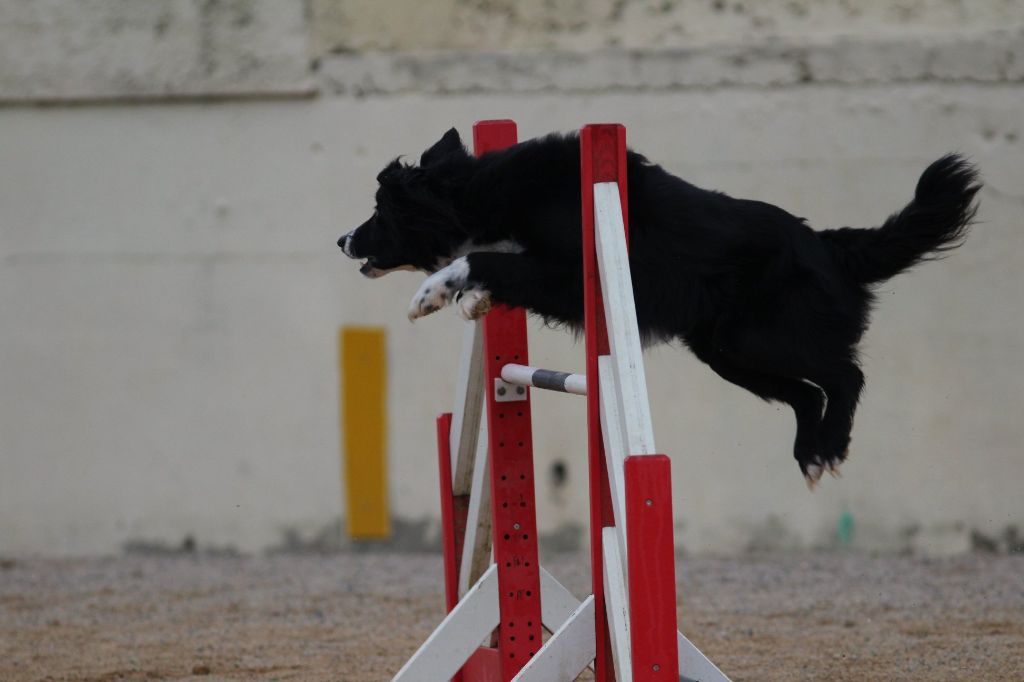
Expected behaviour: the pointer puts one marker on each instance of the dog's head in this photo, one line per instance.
(416, 224)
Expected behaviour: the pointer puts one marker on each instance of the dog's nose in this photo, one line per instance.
(344, 242)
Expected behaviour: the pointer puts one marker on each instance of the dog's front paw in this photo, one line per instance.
(438, 289)
(428, 299)
(474, 304)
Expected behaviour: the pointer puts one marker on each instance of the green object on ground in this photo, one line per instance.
(844, 529)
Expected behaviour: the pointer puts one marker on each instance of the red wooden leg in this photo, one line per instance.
(652, 568)
(510, 439)
(483, 666)
(453, 518)
(512, 496)
(602, 159)
(450, 539)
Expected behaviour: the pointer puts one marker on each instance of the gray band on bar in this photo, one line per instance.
(550, 379)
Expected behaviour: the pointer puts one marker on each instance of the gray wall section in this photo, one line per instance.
(995, 57)
(172, 291)
(583, 25)
(52, 50)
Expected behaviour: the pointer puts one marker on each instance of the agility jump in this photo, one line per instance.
(626, 629)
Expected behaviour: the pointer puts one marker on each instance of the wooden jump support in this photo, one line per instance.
(626, 628)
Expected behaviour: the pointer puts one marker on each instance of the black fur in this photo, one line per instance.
(770, 304)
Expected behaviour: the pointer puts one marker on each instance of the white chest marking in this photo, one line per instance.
(504, 246)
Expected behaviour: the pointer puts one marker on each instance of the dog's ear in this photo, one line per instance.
(392, 173)
(449, 144)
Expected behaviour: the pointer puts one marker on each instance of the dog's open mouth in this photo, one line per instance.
(374, 268)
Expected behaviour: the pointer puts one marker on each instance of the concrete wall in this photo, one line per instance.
(172, 292)
(92, 50)
(514, 25)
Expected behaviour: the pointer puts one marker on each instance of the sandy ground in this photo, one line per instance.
(356, 617)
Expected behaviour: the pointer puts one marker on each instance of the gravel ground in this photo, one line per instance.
(356, 617)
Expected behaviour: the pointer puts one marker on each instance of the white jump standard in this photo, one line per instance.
(626, 629)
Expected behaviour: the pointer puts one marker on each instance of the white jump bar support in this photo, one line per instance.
(524, 375)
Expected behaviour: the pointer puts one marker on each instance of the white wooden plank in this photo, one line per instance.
(458, 635)
(469, 402)
(616, 605)
(694, 665)
(557, 603)
(614, 447)
(476, 546)
(620, 316)
(569, 650)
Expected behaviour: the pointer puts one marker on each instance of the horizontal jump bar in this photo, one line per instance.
(523, 375)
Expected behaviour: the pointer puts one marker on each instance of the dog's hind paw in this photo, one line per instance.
(813, 475)
(474, 304)
(438, 289)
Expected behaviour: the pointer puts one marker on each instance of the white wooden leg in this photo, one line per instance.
(469, 401)
(458, 635)
(617, 606)
(694, 665)
(476, 546)
(569, 650)
(620, 315)
(614, 447)
(557, 603)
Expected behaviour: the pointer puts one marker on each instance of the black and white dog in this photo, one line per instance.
(770, 304)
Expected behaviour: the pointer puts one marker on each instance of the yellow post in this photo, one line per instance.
(361, 354)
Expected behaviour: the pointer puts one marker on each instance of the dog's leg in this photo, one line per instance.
(842, 384)
(806, 400)
(773, 350)
(439, 289)
(451, 282)
(482, 279)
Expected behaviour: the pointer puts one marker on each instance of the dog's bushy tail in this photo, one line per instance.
(936, 221)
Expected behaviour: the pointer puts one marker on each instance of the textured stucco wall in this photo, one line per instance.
(172, 290)
(410, 25)
(53, 50)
